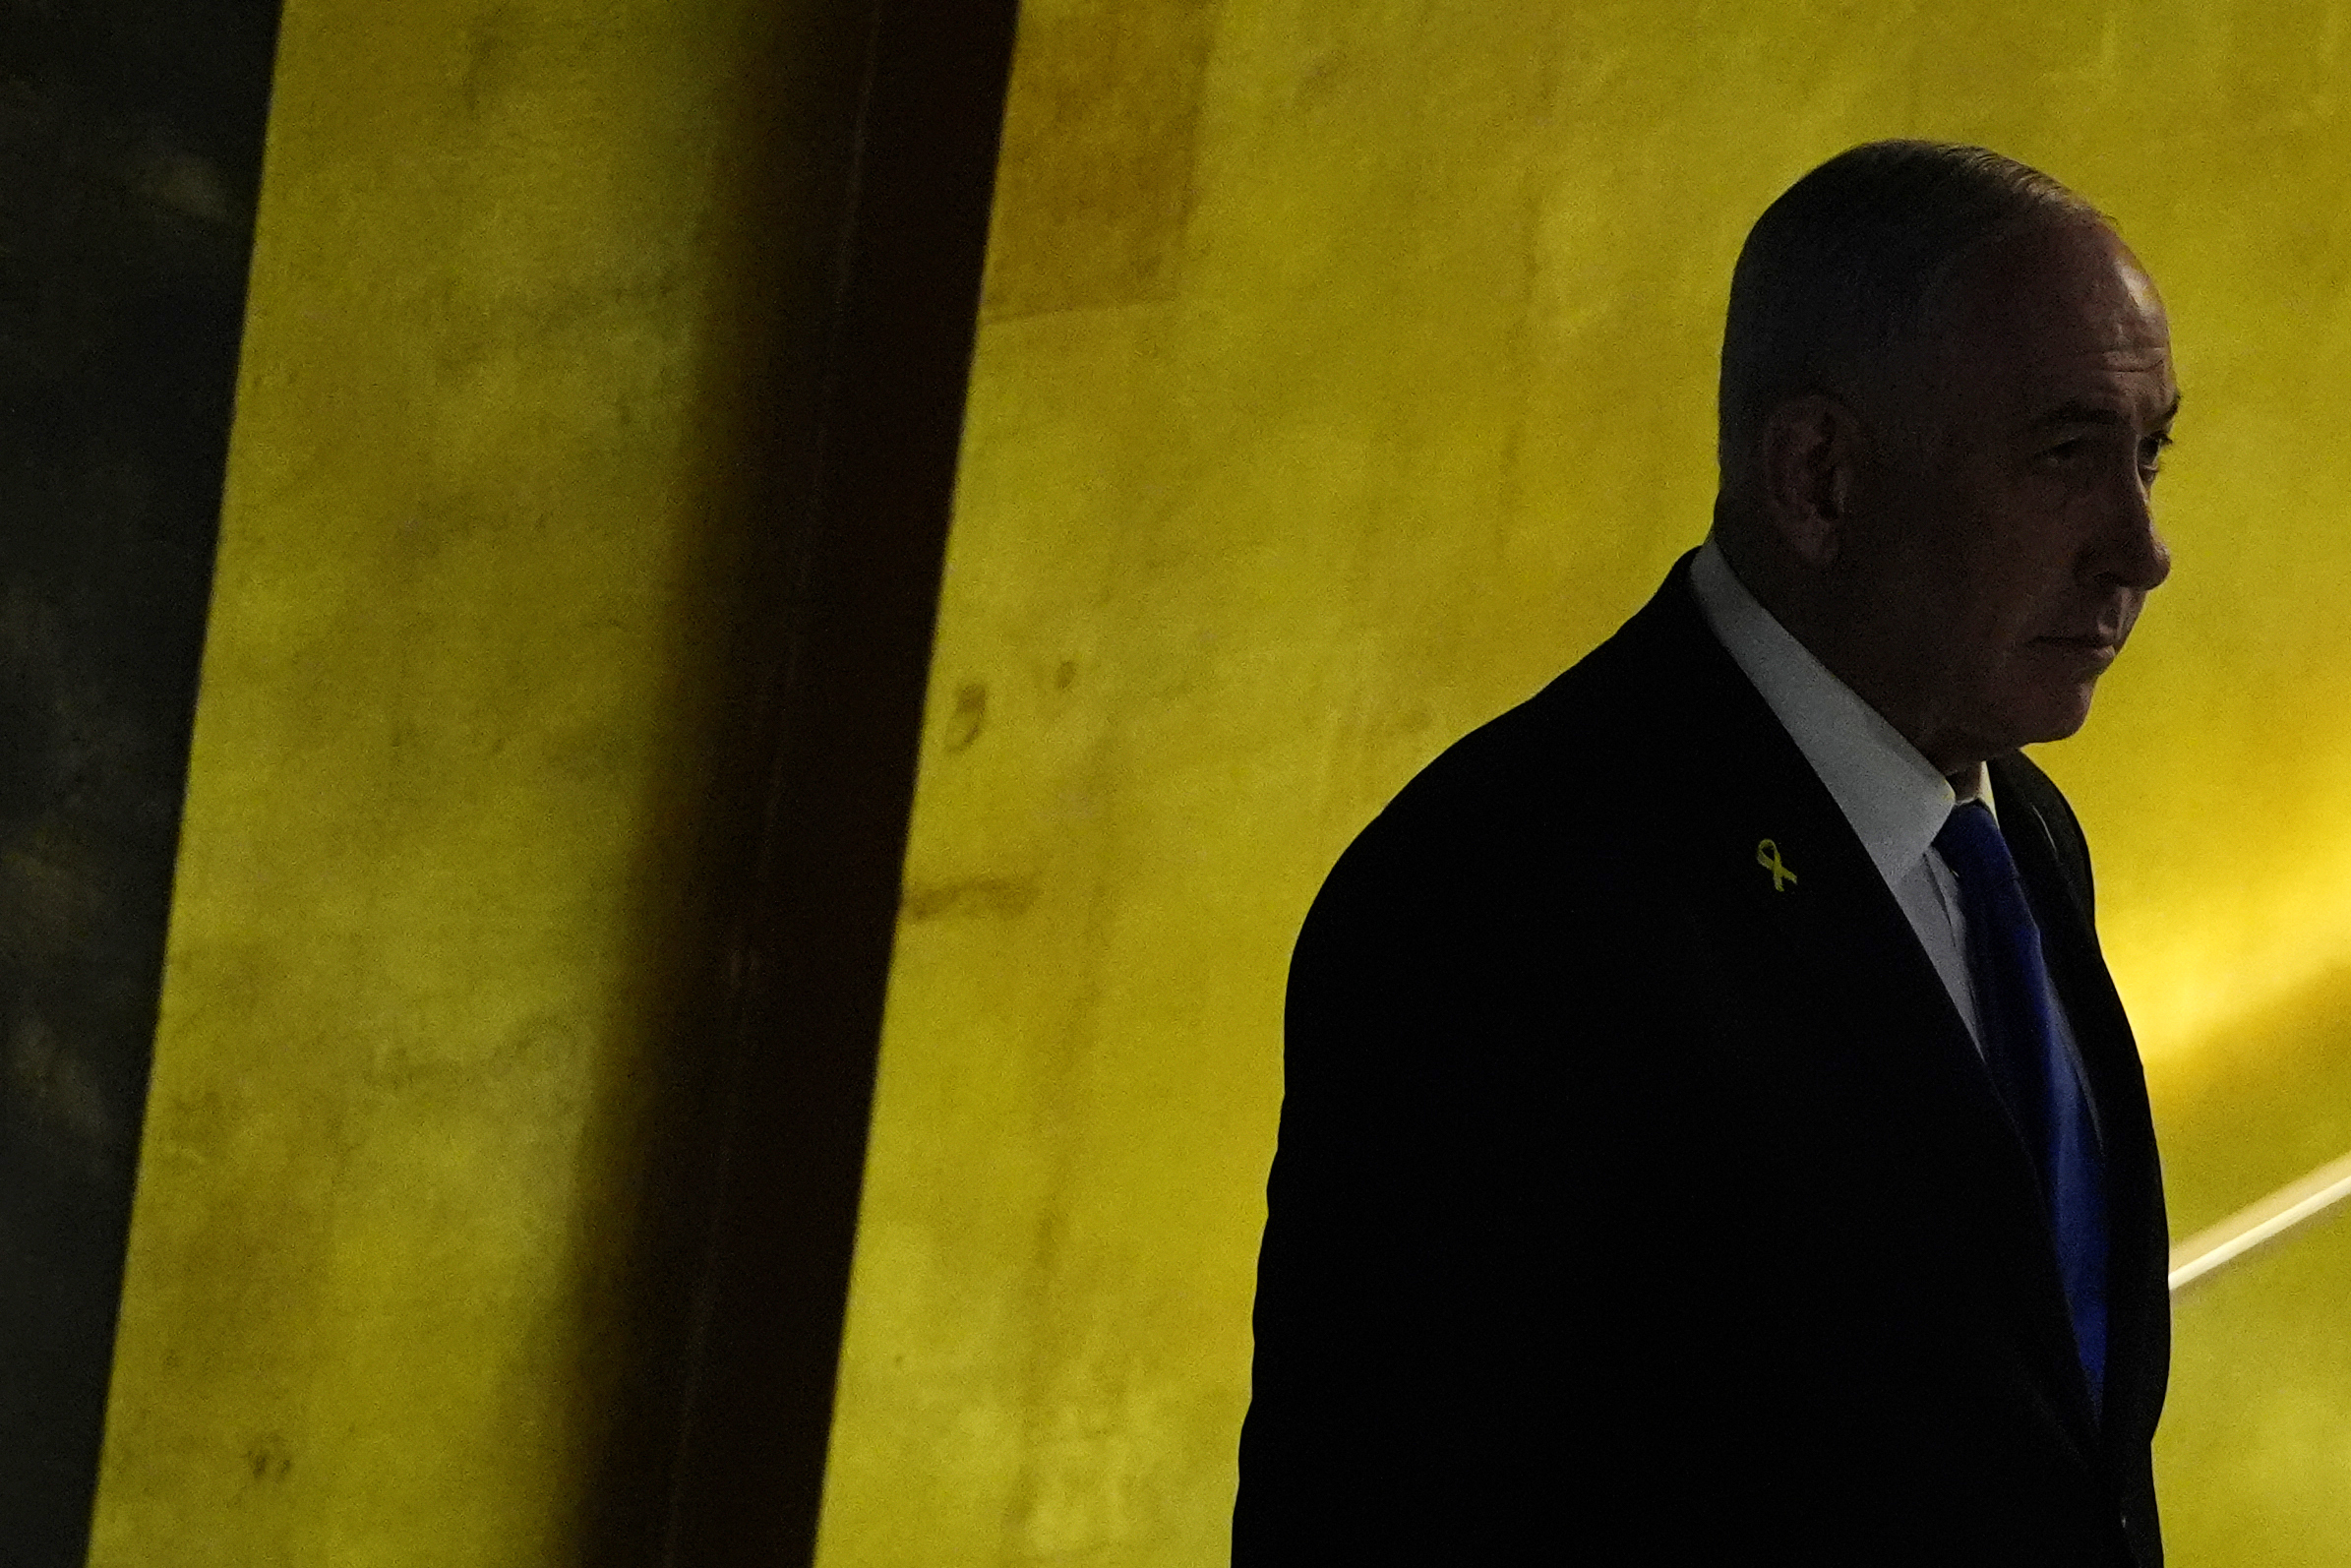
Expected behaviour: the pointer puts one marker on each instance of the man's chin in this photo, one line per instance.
(2056, 715)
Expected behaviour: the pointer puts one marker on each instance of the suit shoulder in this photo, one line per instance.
(1552, 807)
(1521, 784)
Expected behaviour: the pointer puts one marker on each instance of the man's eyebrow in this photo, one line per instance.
(2097, 414)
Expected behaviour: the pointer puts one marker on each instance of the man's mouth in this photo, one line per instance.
(2101, 646)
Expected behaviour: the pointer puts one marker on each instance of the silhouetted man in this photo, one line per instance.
(1709, 1133)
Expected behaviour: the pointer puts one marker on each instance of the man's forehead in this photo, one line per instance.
(2074, 285)
(2048, 383)
(2059, 317)
(2145, 403)
(2131, 393)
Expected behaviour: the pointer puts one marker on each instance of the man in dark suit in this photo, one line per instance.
(1710, 1133)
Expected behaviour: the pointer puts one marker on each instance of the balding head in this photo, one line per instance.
(1836, 287)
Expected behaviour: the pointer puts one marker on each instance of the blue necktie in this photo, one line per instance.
(2034, 1073)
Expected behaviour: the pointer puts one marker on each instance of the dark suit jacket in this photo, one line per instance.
(1627, 1210)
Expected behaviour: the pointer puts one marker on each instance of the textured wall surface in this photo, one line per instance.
(430, 1065)
(130, 149)
(1348, 371)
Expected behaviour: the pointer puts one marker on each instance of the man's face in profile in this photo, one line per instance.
(2015, 545)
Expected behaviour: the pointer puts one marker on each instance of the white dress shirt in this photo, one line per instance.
(1891, 795)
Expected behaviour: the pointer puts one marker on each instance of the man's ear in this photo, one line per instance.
(1811, 451)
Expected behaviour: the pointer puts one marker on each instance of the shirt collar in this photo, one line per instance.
(1891, 796)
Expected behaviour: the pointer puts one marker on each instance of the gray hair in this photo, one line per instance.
(1838, 275)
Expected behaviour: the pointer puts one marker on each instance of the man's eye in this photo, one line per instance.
(2150, 455)
(2064, 451)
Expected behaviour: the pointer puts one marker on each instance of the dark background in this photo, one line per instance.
(130, 156)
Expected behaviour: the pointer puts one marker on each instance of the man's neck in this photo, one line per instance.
(1830, 635)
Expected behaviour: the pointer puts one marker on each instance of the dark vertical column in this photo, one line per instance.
(130, 158)
(856, 585)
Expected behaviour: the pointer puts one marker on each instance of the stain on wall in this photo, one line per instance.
(130, 154)
(1095, 180)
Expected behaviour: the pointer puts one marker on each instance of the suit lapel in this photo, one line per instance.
(2139, 1305)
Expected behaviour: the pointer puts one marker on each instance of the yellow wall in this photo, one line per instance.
(513, 336)
(1348, 371)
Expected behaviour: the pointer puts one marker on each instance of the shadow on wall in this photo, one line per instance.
(130, 156)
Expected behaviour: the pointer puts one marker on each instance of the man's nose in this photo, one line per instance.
(2132, 552)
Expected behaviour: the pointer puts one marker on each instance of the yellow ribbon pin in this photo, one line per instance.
(1766, 855)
